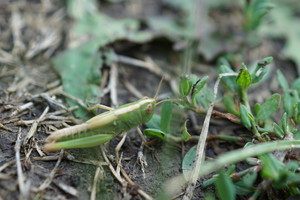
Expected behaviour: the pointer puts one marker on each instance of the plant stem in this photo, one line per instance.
(244, 99)
(195, 138)
(255, 132)
(245, 102)
(216, 113)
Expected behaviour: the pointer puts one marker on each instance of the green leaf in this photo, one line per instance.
(265, 61)
(151, 132)
(284, 123)
(209, 196)
(229, 103)
(256, 108)
(271, 166)
(188, 162)
(184, 85)
(290, 99)
(244, 66)
(166, 116)
(225, 187)
(245, 185)
(154, 122)
(205, 97)
(79, 69)
(255, 11)
(198, 86)
(296, 85)
(185, 133)
(244, 78)
(260, 69)
(282, 81)
(292, 166)
(269, 107)
(297, 113)
(278, 131)
(246, 120)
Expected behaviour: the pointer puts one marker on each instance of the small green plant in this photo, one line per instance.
(255, 10)
(268, 135)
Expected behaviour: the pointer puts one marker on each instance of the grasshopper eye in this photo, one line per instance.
(149, 108)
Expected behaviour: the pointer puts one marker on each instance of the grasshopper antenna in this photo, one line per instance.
(158, 88)
(166, 100)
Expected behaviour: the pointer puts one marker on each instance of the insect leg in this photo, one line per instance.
(140, 157)
(85, 142)
(69, 131)
(141, 134)
(100, 106)
(118, 147)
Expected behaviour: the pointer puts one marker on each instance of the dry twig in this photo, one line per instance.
(22, 108)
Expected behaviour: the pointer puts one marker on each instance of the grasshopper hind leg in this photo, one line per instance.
(84, 142)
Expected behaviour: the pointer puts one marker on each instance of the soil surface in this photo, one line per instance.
(32, 33)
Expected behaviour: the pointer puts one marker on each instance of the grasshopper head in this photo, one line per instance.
(147, 108)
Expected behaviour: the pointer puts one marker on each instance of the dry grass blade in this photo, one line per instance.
(6, 128)
(7, 164)
(48, 181)
(24, 187)
(95, 181)
(67, 189)
(34, 126)
(22, 108)
(113, 84)
(194, 174)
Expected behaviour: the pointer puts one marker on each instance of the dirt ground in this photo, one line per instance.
(32, 33)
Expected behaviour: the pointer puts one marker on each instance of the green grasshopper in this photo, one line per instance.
(105, 126)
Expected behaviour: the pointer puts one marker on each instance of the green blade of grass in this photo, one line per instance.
(166, 115)
(225, 187)
(241, 154)
(231, 158)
